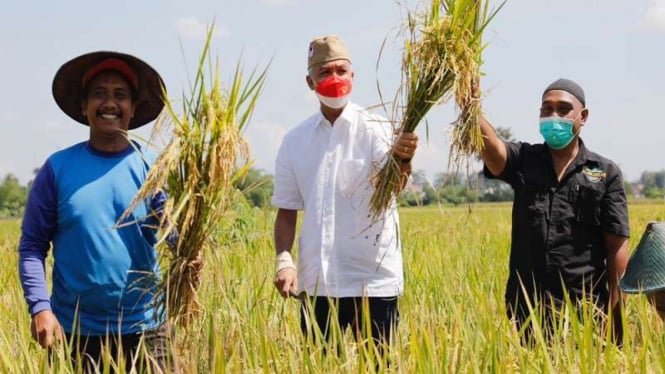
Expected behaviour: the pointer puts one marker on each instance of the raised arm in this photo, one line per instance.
(494, 153)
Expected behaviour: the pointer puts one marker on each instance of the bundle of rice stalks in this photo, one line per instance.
(441, 58)
(197, 169)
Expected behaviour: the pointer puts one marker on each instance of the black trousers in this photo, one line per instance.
(349, 313)
(87, 351)
(547, 316)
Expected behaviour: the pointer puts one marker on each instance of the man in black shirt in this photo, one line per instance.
(570, 216)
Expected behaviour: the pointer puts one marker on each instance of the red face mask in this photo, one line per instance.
(334, 92)
(334, 87)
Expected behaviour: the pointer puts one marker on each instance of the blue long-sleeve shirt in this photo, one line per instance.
(103, 277)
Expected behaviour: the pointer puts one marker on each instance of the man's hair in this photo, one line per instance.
(310, 70)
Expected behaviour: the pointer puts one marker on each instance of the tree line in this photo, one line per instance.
(445, 188)
(256, 188)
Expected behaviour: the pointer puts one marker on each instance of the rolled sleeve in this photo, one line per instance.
(286, 194)
(614, 207)
(513, 152)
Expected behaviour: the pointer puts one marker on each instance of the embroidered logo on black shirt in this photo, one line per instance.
(594, 174)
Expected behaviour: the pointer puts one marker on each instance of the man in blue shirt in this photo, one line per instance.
(104, 276)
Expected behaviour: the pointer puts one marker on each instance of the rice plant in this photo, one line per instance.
(196, 169)
(441, 59)
(452, 314)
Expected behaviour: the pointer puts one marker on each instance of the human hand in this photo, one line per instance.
(405, 145)
(476, 93)
(196, 266)
(45, 329)
(286, 282)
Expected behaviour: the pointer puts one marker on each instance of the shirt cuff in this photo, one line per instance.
(284, 204)
(618, 230)
(40, 306)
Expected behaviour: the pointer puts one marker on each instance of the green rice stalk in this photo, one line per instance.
(440, 60)
(465, 61)
(204, 157)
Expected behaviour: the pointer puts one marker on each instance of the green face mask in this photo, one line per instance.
(557, 132)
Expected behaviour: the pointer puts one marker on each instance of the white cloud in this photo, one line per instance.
(278, 3)
(655, 15)
(192, 28)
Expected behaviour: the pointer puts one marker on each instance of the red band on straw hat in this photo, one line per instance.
(115, 64)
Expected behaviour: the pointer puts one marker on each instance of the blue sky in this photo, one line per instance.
(613, 48)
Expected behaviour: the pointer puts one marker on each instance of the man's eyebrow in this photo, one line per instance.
(557, 102)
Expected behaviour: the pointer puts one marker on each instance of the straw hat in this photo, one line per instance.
(646, 268)
(68, 84)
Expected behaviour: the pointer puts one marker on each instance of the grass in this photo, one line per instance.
(452, 313)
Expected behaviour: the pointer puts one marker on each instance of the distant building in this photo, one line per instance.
(638, 190)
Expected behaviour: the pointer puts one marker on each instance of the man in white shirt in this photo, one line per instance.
(325, 167)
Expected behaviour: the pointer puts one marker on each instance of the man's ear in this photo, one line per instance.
(585, 115)
(310, 82)
(84, 106)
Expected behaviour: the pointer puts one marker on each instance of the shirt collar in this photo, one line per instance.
(130, 148)
(348, 116)
(584, 155)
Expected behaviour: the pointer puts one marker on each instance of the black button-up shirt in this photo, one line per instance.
(558, 226)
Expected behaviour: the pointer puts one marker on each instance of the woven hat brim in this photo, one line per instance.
(68, 89)
(638, 290)
(646, 267)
